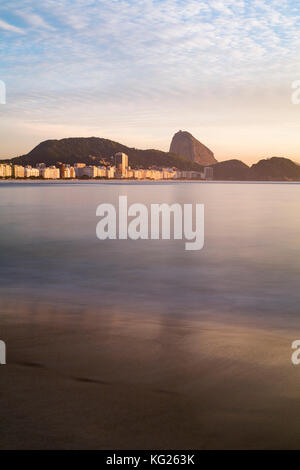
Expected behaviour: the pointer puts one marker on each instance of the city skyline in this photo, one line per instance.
(120, 169)
(136, 72)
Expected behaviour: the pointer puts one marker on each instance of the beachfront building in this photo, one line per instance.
(50, 172)
(188, 175)
(110, 171)
(18, 171)
(30, 172)
(148, 174)
(137, 174)
(121, 162)
(5, 170)
(122, 170)
(62, 170)
(153, 174)
(157, 174)
(67, 171)
(90, 171)
(101, 173)
(208, 173)
(168, 173)
(79, 169)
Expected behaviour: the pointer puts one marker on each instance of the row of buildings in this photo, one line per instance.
(18, 171)
(120, 169)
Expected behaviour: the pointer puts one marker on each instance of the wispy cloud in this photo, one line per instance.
(9, 27)
(35, 20)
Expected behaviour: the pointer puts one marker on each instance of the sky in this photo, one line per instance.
(137, 71)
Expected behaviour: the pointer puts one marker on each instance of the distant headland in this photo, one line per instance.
(188, 158)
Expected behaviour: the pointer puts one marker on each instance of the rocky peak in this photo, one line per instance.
(186, 145)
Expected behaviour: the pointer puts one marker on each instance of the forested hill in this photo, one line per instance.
(91, 150)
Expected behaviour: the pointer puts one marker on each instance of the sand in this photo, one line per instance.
(125, 380)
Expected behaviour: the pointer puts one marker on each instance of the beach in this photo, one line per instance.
(126, 381)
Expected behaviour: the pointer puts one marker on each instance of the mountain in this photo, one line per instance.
(91, 150)
(272, 169)
(184, 144)
(275, 169)
(232, 170)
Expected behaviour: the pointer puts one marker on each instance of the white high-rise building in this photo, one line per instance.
(50, 172)
(30, 172)
(138, 174)
(110, 171)
(66, 172)
(79, 169)
(121, 160)
(5, 170)
(101, 172)
(90, 171)
(19, 171)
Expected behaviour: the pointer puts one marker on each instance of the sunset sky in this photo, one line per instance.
(137, 71)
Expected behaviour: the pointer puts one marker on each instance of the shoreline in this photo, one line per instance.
(130, 181)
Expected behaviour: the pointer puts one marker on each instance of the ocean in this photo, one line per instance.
(194, 344)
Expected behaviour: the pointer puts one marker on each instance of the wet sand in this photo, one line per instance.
(128, 380)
